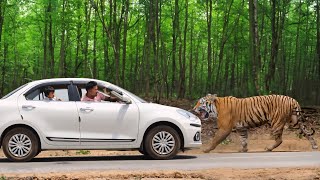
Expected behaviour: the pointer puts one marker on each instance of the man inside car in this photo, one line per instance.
(94, 95)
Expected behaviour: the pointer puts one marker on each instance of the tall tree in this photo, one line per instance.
(175, 35)
(274, 44)
(50, 37)
(94, 48)
(318, 37)
(254, 43)
(182, 89)
(125, 30)
(62, 61)
(209, 49)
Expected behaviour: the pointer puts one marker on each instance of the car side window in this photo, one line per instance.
(103, 90)
(60, 93)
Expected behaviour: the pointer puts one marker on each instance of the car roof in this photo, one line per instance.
(62, 79)
(53, 80)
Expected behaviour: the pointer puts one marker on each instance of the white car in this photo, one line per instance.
(30, 124)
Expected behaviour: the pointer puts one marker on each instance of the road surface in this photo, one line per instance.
(181, 162)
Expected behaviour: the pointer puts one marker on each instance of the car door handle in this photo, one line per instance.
(86, 109)
(28, 107)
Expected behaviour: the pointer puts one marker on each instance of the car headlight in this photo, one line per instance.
(188, 115)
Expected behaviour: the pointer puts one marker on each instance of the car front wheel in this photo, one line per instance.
(20, 145)
(162, 142)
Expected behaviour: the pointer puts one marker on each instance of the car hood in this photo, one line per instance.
(158, 111)
(158, 107)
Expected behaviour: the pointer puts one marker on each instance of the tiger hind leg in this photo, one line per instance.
(243, 134)
(217, 139)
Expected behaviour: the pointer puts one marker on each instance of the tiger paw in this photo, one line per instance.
(243, 150)
(268, 149)
(207, 150)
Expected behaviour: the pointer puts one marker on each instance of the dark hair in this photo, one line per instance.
(47, 90)
(91, 84)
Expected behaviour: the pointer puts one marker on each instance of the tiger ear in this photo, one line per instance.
(212, 97)
(215, 97)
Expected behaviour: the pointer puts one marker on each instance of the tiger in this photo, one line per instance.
(244, 113)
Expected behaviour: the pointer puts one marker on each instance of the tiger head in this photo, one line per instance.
(206, 107)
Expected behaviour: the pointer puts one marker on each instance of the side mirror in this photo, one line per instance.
(119, 96)
(126, 100)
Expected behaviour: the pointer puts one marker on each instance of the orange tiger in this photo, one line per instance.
(243, 113)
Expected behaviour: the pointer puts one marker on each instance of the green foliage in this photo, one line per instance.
(83, 152)
(226, 142)
(65, 38)
(3, 177)
(299, 135)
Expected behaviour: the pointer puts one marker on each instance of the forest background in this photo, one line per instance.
(166, 48)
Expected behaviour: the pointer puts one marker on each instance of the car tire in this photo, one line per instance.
(142, 152)
(39, 151)
(20, 145)
(162, 142)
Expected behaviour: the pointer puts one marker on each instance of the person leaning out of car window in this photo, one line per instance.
(49, 94)
(94, 95)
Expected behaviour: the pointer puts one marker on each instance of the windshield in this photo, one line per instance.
(14, 91)
(119, 89)
(135, 96)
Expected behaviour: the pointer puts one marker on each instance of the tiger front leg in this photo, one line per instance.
(277, 134)
(308, 135)
(278, 141)
(243, 133)
(217, 139)
(313, 142)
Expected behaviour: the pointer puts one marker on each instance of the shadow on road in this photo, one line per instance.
(99, 158)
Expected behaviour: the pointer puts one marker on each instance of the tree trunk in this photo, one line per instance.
(195, 76)
(158, 82)
(87, 67)
(282, 52)
(233, 64)
(175, 34)
(78, 61)
(124, 49)
(297, 54)
(182, 89)
(223, 42)
(51, 46)
(4, 69)
(105, 43)
(254, 48)
(191, 58)
(318, 38)
(61, 70)
(45, 44)
(134, 77)
(117, 37)
(209, 21)
(95, 70)
(274, 45)
(3, 4)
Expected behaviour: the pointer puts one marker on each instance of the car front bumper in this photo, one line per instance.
(192, 137)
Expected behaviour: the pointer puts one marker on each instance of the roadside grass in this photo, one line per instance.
(83, 152)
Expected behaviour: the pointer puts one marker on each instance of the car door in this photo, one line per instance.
(107, 123)
(58, 121)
